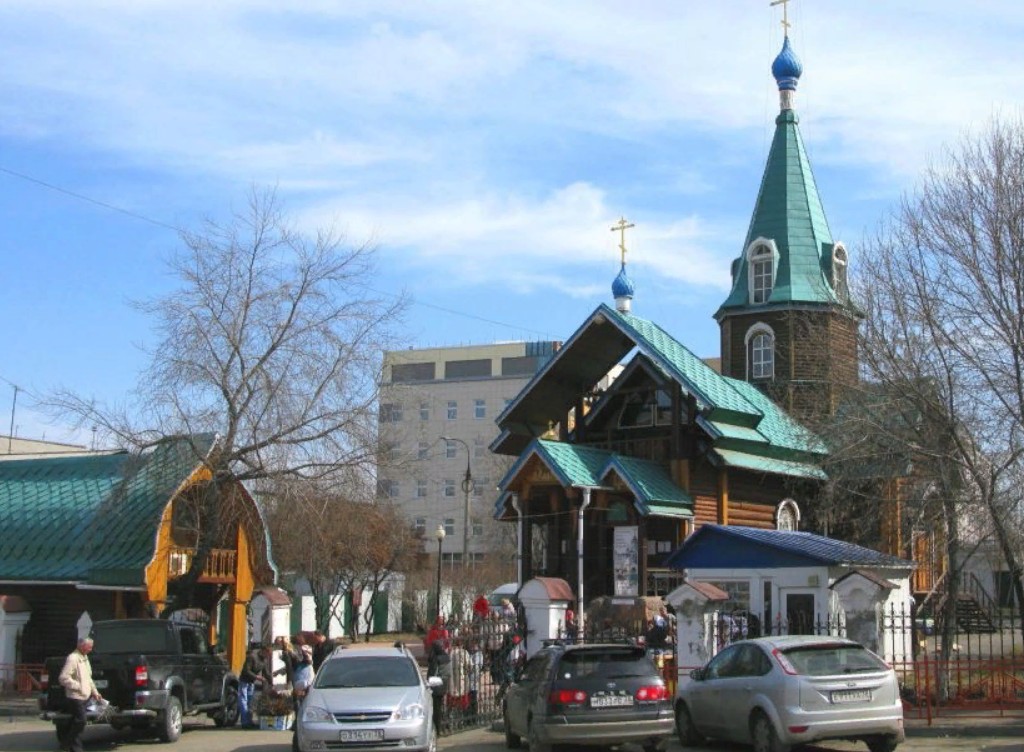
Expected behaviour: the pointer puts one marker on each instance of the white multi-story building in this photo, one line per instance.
(437, 411)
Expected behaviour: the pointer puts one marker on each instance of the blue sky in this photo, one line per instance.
(486, 147)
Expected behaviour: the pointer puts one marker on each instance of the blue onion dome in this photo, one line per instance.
(787, 68)
(622, 287)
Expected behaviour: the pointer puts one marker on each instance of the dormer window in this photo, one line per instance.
(760, 353)
(761, 259)
(839, 283)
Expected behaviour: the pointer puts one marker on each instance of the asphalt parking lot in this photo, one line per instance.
(27, 734)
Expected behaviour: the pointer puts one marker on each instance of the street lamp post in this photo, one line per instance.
(467, 486)
(439, 534)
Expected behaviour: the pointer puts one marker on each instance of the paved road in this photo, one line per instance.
(29, 735)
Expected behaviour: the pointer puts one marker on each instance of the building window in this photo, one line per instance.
(761, 259)
(421, 489)
(787, 515)
(478, 448)
(387, 489)
(451, 559)
(479, 484)
(449, 487)
(449, 449)
(477, 529)
(420, 525)
(453, 410)
(760, 353)
(392, 451)
(390, 412)
(449, 526)
(479, 409)
(424, 411)
(423, 452)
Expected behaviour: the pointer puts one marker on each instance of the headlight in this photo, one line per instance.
(315, 714)
(411, 712)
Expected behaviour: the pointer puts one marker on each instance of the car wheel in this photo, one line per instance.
(654, 745)
(228, 714)
(883, 743)
(170, 723)
(512, 740)
(536, 745)
(763, 734)
(688, 734)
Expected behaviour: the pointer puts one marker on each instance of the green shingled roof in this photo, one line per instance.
(576, 465)
(92, 518)
(788, 211)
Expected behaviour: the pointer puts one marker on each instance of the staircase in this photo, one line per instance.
(971, 617)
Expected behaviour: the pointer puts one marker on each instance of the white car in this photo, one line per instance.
(368, 699)
(780, 692)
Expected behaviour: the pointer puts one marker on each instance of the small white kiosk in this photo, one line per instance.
(544, 601)
(14, 615)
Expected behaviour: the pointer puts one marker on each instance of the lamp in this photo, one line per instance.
(439, 534)
(467, 486)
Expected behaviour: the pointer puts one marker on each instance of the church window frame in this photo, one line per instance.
(787, 515)
(760, 348)
(762, 263)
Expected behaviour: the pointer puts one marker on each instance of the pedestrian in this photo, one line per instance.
(458, 691)
(302, 680)
(289, 657)
(570, 625)
(481, 608)
(79, 689)
(474, 668)
(322, 647)
(255, 675)
(439, 664)
(437, 632)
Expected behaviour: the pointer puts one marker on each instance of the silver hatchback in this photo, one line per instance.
(779, 692)
(367, 699)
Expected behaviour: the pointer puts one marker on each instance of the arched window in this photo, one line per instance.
(760, 353)
(761, 258)
(839, 283)
(787, 515)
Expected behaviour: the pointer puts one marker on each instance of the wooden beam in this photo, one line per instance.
(723, 496)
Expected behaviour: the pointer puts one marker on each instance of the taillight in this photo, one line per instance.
(141, 676)
(44, 682)
(567, 697)
(652, 693)
(783, 661)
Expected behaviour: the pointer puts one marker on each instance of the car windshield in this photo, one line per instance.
(832, 659)
(377, 671)
(605, 664)
(133, 637)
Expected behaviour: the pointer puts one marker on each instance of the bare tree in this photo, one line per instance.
(271, 339)
(942, 283)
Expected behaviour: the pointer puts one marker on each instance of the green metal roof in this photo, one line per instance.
(773, 465)
(789, 212)
(651, 484)
(576, 465)
(91, 519)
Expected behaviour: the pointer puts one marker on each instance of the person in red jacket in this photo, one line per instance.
(481, 608)
(437, 632)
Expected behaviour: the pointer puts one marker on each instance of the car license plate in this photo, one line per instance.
(611, 701)
(852, 695)
(100, 683)
(362, 735)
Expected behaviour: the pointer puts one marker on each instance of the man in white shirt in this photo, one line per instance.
(79, 689)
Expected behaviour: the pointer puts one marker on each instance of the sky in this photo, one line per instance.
(485, 148)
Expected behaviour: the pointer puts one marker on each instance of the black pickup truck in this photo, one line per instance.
(152, 672)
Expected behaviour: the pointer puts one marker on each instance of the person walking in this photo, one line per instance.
(439, 664)
(254, 676)
(303, 677)
(79, 689)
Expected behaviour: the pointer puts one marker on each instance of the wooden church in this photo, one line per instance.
(626, 442)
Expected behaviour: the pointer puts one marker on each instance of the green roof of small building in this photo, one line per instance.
(789, 212)
(92, 518)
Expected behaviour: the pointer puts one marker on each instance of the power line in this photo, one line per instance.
(175, 229)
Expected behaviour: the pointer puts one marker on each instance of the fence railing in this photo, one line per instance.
(21, 678)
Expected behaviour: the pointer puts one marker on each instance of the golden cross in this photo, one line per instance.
(785, 14)
(620, 227)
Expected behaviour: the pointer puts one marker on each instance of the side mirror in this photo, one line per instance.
(435, 682)
(697, 674)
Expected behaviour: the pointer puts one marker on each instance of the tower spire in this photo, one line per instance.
(622, 287)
